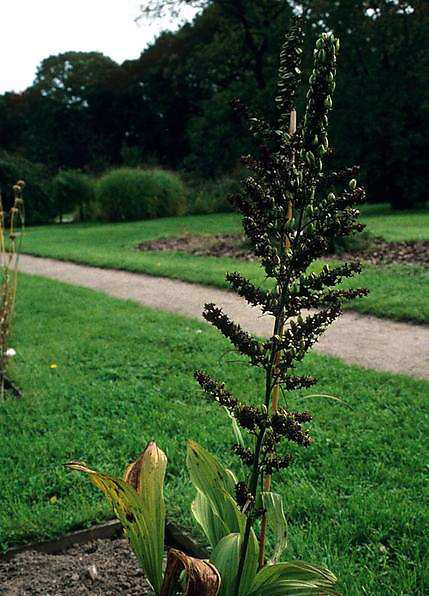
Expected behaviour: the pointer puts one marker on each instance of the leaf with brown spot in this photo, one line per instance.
(138, 502)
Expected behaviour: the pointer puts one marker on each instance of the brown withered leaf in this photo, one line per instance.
(132, 473)
(203, 578)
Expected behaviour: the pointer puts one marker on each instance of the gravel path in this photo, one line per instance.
(367, 341)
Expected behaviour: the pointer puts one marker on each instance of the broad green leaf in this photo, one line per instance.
(295, 578)
(213, 527)
(141, 515)
(217, 485)
(226, 558)
(273, 505)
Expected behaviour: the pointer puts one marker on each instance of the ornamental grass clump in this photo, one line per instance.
(291, 210)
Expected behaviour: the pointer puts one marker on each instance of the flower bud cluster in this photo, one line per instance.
(253, 295)
(242, 340)
(289, 425)
(289, 78)
(246, 455)
(243, 496)
(216, 391)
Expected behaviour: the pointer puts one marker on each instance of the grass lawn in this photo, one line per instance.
(382, 220)
(123, 376)
(398, 292)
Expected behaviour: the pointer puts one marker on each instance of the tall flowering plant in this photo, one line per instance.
(291, 209)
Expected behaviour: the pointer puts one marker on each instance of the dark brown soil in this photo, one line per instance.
(68, 574)
(379, 253)
(221, 245)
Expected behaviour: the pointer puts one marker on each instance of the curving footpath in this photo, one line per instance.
(367, 341)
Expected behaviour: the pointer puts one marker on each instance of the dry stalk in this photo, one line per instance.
(11, 227)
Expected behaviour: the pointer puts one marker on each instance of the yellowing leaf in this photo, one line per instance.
(142, 514)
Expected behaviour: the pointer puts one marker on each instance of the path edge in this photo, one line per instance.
(175, 537)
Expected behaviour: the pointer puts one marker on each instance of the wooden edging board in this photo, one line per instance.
(175, 537)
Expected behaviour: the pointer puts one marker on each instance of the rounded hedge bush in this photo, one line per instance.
(71, 189)
(127, 194)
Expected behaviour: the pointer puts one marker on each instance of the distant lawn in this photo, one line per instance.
(382, 220)
(397, 292)
(123, 376)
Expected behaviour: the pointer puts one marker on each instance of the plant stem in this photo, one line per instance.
(271, 394)
(275, 395)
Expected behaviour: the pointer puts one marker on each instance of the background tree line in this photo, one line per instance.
(172, 106)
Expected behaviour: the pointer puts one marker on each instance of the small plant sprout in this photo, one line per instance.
(11, 225)
(292, 207)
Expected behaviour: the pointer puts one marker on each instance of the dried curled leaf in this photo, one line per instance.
(202, 578)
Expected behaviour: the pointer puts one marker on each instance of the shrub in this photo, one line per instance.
(356, 242)
(131, 156)
(39, 206)
(71, 189)
(212, 196)
(127, 194)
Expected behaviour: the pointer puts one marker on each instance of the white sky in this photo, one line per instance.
(31, 30)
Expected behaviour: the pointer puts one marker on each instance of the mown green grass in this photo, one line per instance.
(354, 500)
(382, 220)
(397, 292)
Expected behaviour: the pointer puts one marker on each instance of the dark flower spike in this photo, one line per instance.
(244, 342)
(289, 77)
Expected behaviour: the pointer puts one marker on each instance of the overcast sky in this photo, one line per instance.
(31, 30)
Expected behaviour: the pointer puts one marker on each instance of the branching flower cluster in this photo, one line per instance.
(291, 209)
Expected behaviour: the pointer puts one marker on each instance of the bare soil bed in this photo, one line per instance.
(228, 245)
(99, 568)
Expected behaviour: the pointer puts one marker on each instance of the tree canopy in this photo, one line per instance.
(172, 104)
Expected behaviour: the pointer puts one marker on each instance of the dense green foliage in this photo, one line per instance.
(39, 206)
(128, 194)
(115, 246)
(362, 483)
(172, 105)
(71, 189)
(213, 195)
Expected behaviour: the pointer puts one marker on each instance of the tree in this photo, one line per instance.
(382, 116)
(74, 115)
(252, 21)
(71, 77)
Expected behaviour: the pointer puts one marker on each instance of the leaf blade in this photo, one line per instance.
(203, 579)
(273, 505)
(141, 515)
(212, 525)
(294, 578)
(216, 483)
(226, 558)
